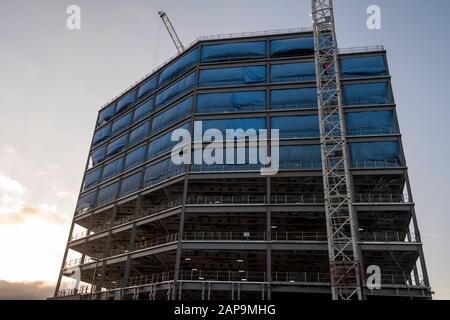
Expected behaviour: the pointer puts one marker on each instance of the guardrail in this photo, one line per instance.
(233, 199)
(388, 236)
(381, 198)
(298, 199)
(224, 236)
(387, 163)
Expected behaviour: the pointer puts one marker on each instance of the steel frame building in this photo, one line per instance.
(146, 229)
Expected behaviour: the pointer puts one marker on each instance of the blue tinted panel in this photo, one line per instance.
(172, 115)
(300, 157)
(304, 98)
(297, 126)
(180, 65)
(232, 76)
(370, 123)
(130, 184)
(101, 134)
(292, 47)
(147, 86)
(121, 123)
(363, 67)
(117, 145)
(231, 101)
(98, 155)
(112, 169)
(233, 51)
(143, 110)
(175, 90)
(126, 101)
(292, 72)
(105, 115)
(367, 93)
(135, 158)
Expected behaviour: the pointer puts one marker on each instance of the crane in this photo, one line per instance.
(342, 248)
(173, 34)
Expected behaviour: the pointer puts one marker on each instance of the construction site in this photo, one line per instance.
(145, 228)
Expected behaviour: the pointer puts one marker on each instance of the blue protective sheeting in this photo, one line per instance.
(375, 154)
(363, 67)
(98, 155)
(370, 123)
(126, 101)
(244, 124)
(367, 94)
(107, 194)
(232, 76)
(161, 171)
(130, 184)
(101, 135)
(148, 86)
(92, 178)
(177, 67)
(105, 115)
(139, 134)
(296, 126)
(143, 110)
(300, 157)
(231, 102)
(303, 98)
(86, 201)
(292, 72)
(292, 47)
(172, 115)
(112, 169)
(175, 90)
(164, 143)
(121, 123)
(117, 145)
(135, 158)
(233, 51)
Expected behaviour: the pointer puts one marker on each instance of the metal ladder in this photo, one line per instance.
(342, 247)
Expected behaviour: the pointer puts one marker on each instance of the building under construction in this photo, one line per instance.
(145, 228)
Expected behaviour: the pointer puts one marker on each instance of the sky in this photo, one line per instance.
(54, 80)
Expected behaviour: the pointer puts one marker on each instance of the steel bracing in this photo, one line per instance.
(173, 34)
(342, 248)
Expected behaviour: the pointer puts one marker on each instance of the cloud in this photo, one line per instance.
(38, 290)
(8, 185)
(10, 151)
(20, 213)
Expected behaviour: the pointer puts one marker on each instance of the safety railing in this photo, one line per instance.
(225, 167)
(361, 49)
(223, 275)
(386, 163)
(79, 261)
(370, 131)
(401, 280)
(223, 199)
(366, 101)
(301, 277)
(297, 199)
(300, 165)
(146, 244)
(388, 236)
(381, 198)
(142, 280)
(224, 236)
(299, 236)
(161, 208)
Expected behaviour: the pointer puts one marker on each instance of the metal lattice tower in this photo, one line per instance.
(342, 250)
(173, 34)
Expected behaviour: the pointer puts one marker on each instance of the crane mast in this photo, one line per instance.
(176, 40)
(342, 247)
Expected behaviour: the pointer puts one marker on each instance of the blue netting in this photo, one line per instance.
(117, 145)
(302, 98)
(126, 101)
(244, 124)
(367, 93)
(164, 143)
(135, 158)
(112, 169)
(130, 184)
(292, 47)
(300, 157)
(231, 101)
(292, 72)
(143, 110)
(363, 66)
(107, 194)
(175, 90)
(233, 51)
(177, 67)
(375, 154)
(98, 155)
(101, 134)
(232, 76)
(86, 201)
(296, 126)
(172, 115)
(147, 87)
(105, 115)
(140, 133)
(161, 171)
(370, 123)
(92, 178)
(121, 123)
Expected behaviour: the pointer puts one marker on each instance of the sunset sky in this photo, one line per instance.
(54, 80)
